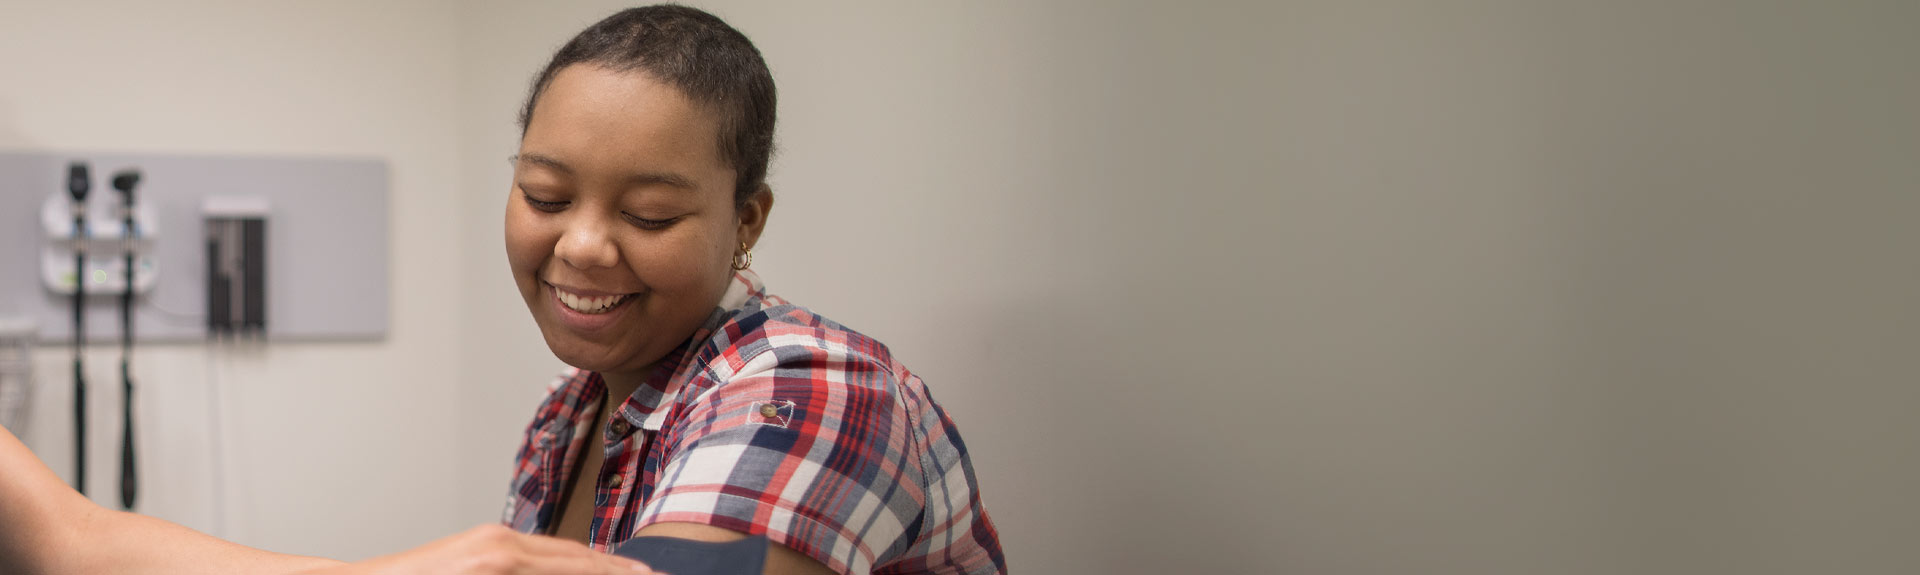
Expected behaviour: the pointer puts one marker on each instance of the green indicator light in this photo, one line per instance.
(99, 276)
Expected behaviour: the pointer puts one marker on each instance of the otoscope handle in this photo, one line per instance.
(124, 181)
(79, 370)
(79, 427)
(129, 486)
(129, 483)
(78, 183)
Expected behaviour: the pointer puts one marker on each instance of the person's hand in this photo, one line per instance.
(494, 550)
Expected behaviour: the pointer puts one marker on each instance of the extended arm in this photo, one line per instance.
(47, 528)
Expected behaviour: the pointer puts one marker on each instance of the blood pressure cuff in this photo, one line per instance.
(676, 556)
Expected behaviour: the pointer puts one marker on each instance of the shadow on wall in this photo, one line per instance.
(1106, 464)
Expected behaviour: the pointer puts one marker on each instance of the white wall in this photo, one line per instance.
(337, 449)
(1319, 287)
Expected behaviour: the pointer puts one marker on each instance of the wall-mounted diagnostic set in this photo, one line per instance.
(132, 248)
(99, 245)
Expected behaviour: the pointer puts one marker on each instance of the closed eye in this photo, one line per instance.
(647, 224)
(542, 205)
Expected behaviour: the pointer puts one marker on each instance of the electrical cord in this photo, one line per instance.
(215, 414)
(195, 319)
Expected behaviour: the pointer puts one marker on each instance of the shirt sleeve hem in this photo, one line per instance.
(814, 549)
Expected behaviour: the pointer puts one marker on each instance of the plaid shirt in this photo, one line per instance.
(774, 421)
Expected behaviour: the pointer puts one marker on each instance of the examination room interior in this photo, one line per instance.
(1307, 286)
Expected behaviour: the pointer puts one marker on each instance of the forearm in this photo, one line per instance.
(39, 514)
(47, 528)
(118, 542)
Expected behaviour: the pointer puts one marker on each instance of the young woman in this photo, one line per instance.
(701, 406)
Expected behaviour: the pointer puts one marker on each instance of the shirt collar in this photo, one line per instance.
(650, 402)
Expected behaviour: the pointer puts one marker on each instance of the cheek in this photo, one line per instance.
(667, 265)
(685, 263)
(528, 243)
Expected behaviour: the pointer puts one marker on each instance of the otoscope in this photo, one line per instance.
(77, 184)
(124, 182)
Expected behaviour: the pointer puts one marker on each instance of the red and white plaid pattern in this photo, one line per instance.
(774, 421)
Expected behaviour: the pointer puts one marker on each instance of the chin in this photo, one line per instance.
(586, 355)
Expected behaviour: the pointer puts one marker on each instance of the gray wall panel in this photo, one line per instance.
(327, 243)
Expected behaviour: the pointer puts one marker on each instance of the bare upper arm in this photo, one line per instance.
(781, 560)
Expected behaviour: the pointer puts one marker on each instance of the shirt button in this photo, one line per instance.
(769, 410)
(621, 427)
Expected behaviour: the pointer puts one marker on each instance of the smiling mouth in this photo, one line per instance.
(590, 305)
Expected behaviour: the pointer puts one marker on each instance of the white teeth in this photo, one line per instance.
(588, 305)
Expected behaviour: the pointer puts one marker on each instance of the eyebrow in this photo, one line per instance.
(637, 179)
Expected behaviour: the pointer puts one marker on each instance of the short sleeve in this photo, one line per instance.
(805, 444)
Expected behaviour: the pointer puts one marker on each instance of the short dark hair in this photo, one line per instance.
(697, 53)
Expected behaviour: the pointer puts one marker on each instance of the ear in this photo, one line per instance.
(753, 215)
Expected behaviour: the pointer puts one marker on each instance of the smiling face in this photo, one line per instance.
(621, 223)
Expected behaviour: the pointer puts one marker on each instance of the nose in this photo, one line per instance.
(587, 243)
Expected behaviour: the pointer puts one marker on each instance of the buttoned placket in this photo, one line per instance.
(622, 437)
(617, 447)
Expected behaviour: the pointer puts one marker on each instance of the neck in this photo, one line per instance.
(621, 385)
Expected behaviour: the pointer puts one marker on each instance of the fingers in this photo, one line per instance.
(541, 545)
(587, 562)
(534, 554)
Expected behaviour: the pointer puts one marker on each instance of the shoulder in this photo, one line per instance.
(791, 341)
(791, 368)
(762, 332)
(841, 450)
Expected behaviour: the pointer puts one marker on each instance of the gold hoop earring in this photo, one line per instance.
(744, 259)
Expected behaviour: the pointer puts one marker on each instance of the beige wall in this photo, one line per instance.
(1316, 287)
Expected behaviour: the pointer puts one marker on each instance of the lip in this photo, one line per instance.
(582, 292)
(582, 322)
